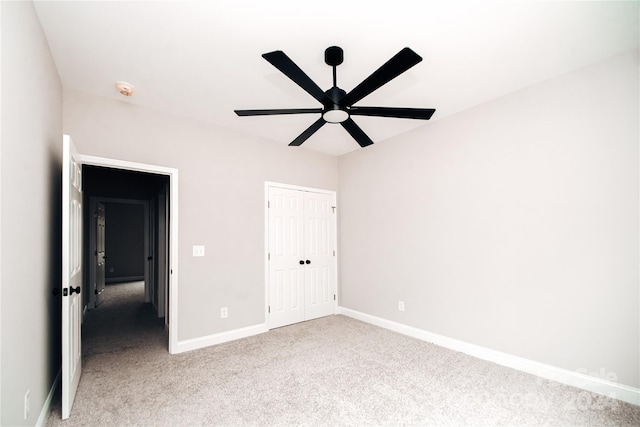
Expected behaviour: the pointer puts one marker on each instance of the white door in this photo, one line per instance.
(71, 274)
(301, 256)
(286, 252)
(319, 255)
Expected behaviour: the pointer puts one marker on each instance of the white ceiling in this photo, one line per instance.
(202, 59)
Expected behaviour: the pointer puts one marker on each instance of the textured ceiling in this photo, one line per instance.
(202, 59)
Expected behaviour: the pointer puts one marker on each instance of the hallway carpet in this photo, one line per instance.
(327, 372)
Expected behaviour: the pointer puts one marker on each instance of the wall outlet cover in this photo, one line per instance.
(27, 404)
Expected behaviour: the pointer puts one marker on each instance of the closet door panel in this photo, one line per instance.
(319, 220)
(286, 250)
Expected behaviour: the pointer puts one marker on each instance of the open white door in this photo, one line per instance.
(71, 274)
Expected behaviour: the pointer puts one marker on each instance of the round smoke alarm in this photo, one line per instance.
(124, 88)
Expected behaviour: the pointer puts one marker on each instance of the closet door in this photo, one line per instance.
(319, 256)
(301, 255)
(286, 250)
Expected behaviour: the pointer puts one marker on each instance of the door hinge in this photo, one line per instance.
(269, 309)
(268, 257)
(334, 253)
(268, 204)
(334, 209)
(334, 297)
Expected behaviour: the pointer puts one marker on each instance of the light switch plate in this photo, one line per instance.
(198, 250)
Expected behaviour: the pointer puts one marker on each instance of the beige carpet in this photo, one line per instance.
(330, 371)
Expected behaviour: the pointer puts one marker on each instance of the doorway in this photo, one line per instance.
(109, 181)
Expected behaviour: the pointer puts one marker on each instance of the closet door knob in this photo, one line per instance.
(308, 262)
(301, 262)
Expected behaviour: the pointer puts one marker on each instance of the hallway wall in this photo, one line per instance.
(124, 242)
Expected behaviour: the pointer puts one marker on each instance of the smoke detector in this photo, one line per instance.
(124, 88)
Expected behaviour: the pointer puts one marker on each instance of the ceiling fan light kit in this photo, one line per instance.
(337, 105)
(335, 115)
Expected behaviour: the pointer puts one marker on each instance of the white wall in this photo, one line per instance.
(30, 218)
(221, 192)
(513, 225)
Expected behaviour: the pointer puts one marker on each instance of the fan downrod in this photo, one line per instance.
(334, 112)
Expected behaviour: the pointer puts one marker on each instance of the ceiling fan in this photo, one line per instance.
(337, 105)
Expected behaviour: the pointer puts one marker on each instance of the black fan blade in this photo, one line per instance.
(397, 65)
(307, 133)
(357, 133)
(243, 113)
(400, 113)
(282, 62)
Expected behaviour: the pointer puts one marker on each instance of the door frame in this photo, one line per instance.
(172, 222)
(93, 201)
(161, 257)
(270, 184)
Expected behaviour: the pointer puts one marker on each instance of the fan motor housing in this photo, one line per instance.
(334, 112)
(335, 94)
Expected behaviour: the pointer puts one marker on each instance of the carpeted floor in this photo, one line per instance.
(329, 371)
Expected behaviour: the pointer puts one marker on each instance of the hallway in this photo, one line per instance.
(123, 322)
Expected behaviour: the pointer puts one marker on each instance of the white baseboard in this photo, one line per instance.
(46, 408)
(576, 379)
(202, 342)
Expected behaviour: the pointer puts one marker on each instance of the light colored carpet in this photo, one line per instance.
(329, 371)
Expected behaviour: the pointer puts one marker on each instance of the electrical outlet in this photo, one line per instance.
(224, 312)
(400, 305)
(198, 250)
(27, 404)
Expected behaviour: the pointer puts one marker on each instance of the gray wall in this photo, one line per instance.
(124, 241)
(221, 198)
(30, 214)
(513, 225)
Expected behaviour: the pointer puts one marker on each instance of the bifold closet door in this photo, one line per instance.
(318, 242)
(301, 256)
(286, 250)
